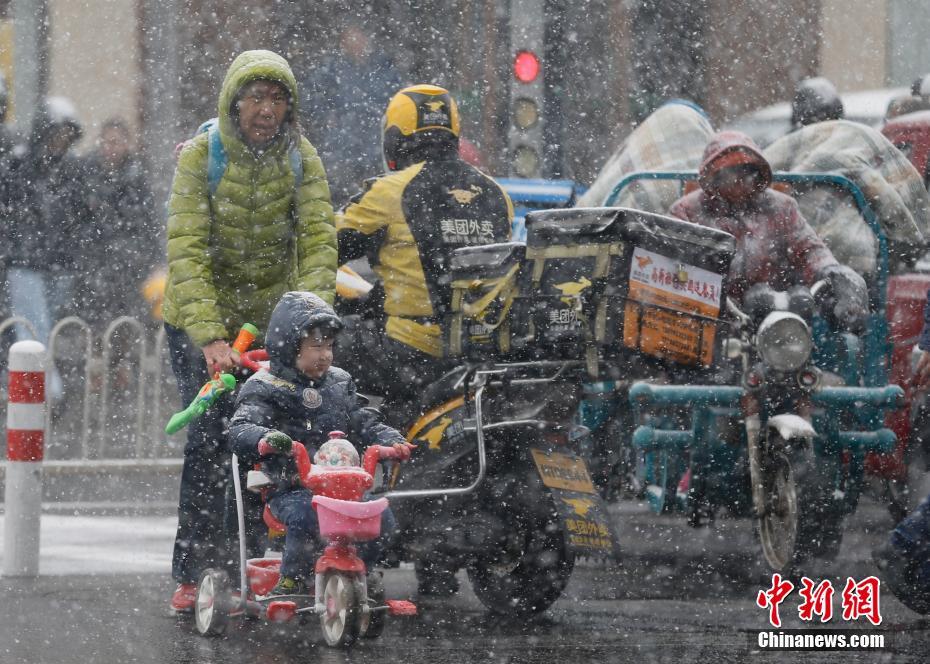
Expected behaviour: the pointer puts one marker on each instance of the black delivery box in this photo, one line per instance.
(615, 279)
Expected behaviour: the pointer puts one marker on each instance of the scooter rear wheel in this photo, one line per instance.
(527, 581)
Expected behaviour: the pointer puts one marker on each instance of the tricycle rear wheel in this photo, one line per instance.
(372, 623)
(211, 610)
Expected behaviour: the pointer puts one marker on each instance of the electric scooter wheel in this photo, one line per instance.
(211, 610)
(341, 613)
(531, 575)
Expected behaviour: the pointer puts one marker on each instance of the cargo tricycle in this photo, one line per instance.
(779, 426)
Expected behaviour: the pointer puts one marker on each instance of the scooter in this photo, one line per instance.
(496, 485)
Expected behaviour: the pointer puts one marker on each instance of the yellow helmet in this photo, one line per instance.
(418, 117)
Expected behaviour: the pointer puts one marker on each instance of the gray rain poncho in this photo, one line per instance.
(889, 182)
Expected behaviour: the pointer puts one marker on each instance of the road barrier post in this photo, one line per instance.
(25, 440)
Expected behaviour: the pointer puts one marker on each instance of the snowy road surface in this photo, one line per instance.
(679, 595)
(104, 544)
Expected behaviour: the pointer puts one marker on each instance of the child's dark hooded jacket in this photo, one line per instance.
(287, 400)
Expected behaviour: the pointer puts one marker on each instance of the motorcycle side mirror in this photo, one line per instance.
(733, 348)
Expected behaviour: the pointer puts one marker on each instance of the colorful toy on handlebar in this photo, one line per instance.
(221, 383)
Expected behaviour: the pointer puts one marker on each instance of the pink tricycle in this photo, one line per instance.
(348, 606)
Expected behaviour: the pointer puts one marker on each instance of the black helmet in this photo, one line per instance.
(815, 100)
(419, 121)
(55, 113)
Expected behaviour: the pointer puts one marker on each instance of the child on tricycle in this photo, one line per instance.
(303, 397)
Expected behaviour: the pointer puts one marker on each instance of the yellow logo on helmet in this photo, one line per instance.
(434, 106)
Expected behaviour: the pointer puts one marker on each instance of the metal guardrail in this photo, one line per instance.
(117, 392)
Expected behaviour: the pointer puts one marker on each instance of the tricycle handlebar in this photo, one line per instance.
(377, 453)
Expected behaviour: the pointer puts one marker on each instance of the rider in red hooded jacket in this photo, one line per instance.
(774, 244)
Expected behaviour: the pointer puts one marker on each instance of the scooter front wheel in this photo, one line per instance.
(340, 618)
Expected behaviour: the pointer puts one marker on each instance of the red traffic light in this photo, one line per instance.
(526, 66)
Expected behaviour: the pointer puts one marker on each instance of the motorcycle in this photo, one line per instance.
(574, 290)
(497, 485)
(812, 400)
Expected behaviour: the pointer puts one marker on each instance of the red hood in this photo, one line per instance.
(732, 148)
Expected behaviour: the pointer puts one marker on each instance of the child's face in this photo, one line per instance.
(315, 356)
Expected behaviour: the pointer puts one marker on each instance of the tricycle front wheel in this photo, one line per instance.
(798, 522)
(778, 526)
(340, 618)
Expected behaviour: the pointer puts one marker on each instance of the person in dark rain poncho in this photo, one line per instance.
(232, 252)
(774, 244)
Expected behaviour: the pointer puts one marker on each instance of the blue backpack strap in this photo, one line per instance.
(216, 158)
(297, 165)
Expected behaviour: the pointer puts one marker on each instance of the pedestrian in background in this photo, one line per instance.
(45, 222)
(125, 238)
(343, 100)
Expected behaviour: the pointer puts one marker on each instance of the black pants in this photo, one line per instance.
(207, 525)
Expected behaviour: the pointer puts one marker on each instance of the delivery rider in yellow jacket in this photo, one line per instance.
(407, 222)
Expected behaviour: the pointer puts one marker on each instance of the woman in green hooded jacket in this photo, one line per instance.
(237, 240)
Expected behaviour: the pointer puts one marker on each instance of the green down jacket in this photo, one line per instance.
(231, 256)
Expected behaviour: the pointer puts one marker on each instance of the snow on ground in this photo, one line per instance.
(103, 544)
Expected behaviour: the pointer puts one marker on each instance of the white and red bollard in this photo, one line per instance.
(25, 447)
